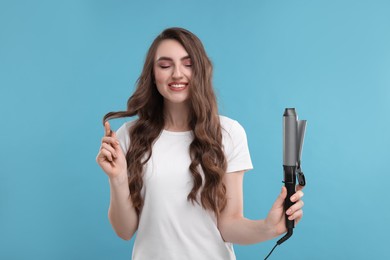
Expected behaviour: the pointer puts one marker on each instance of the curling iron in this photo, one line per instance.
(293, 136)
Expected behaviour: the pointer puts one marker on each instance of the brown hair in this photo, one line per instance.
(206, 149)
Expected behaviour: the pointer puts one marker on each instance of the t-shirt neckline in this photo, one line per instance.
(189, 132)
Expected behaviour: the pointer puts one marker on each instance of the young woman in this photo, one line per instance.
(176, 172)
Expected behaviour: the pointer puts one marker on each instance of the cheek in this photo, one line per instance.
(189, 73)
(159, 81)
(159, 77)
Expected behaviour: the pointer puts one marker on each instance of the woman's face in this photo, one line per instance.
(172, 71)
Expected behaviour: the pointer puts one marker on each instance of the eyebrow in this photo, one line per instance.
(170, 59)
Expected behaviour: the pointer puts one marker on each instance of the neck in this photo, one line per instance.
(176, 117)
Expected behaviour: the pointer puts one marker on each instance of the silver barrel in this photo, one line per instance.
(290, 137)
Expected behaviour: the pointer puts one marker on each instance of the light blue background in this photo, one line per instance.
(64, 64)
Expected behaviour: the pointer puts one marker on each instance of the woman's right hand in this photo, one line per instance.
(110, 157)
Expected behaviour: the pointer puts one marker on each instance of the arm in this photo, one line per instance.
(235, 228)
(121, 213)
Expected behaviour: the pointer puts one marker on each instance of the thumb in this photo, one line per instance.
(107, 129)
(279, 202)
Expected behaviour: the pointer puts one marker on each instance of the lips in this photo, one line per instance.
(177, 86)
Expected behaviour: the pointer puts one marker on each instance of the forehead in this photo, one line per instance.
(171, 49)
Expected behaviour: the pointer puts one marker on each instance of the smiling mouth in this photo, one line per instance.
(176, 86)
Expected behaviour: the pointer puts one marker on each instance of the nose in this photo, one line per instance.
(177, 73)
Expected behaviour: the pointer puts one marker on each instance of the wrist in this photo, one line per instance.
(119, 180)
(269, 229)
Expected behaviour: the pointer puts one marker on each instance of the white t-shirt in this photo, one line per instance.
(170, 226)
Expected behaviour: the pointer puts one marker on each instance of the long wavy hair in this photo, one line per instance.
(206, 149)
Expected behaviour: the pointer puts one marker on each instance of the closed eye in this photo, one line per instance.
(187, 62)
(164, 66)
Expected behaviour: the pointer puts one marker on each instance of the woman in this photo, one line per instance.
(176, 172)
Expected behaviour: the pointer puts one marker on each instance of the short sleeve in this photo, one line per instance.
(235, 146)
(123, 136)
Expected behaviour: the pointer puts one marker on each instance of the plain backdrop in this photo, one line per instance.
(64, 64)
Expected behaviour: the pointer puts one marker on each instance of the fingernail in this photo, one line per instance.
(293, 198)
(288, 212)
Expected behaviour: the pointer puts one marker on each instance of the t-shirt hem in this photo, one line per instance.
(237, 168)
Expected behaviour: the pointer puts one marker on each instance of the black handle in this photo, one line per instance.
(289, 183)
(288, 203)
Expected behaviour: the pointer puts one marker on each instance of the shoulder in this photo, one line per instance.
(230, 126)
(232, 132)
(125, 127)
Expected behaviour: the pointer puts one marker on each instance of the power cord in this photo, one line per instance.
(271, 252)
(280, 241)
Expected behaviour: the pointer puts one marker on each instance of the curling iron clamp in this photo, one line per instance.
(293, 136)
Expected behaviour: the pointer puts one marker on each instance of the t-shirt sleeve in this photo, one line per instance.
(236, 149)
(123, 137)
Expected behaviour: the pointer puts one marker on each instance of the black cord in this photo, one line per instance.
(280, 241)
(271, 252)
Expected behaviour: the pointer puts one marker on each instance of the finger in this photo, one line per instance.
(299, 187)
(110, 149)
(113, 135)
(297, 215)
(298, 218)
(110, 140)
(107, 129)
(106, 155)
(296, 196)
(297, 206)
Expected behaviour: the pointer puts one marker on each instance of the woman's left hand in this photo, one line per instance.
(276, 216)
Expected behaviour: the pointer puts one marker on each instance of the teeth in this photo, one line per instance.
(178, 85)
